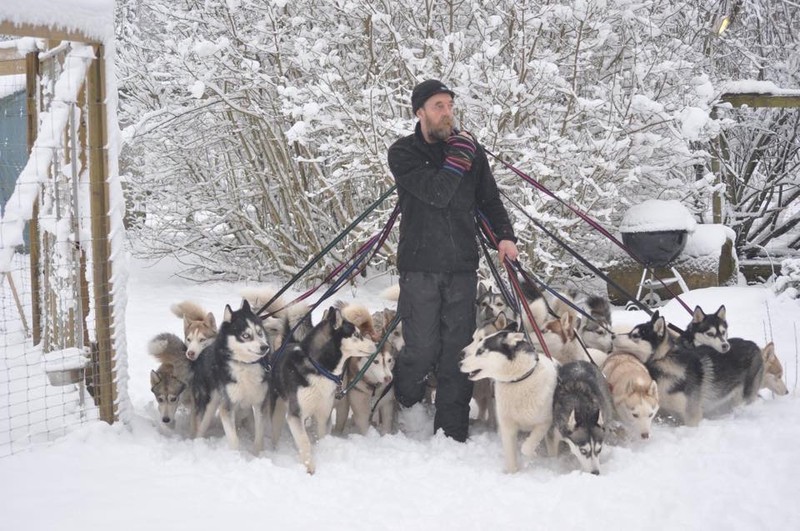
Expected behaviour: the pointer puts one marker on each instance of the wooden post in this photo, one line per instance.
(101, 265)
(31, 90)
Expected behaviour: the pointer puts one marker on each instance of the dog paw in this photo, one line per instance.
(528, 449)
(310, 468)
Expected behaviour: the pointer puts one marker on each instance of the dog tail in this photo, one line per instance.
(188, 310)
(359, 315)
(392, 293)
(167, 348)
(259, 296)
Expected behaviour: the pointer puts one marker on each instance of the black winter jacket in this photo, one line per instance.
(438, 227)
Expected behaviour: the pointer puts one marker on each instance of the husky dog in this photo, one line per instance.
(581, 406)
(595, 332)
(645, 340)
(706, 329)
(231, 373)
(633, 391)
(773, 371)
(368, 389)
(699, 382)
(524, 383)
(562, 341)
(490, 304)
(199, 327)
(170, 380)
(303, 382)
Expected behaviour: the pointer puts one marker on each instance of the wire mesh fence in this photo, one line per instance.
(53, 374)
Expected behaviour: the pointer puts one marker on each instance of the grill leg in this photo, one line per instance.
(641, 285)
(680, 280)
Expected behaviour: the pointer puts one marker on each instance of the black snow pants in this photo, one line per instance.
(438, 316)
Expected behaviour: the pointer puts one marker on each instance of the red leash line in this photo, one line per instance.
(512, 277)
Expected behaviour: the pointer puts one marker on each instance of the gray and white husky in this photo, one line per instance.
(706, 329)
(595, 332)
(231, 373)
(581, 407)
(524, 382)
(303, 378)
(172, 377)
(490, 304)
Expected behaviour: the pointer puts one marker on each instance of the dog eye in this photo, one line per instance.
(636, 415)
(374, 362)
(160, 400)
(173, 398)
(246, 336)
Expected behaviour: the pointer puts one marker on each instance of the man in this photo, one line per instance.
(443, 179)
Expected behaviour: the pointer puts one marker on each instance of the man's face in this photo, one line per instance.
(436, 117)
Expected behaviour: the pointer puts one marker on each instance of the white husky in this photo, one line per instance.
(524, 385)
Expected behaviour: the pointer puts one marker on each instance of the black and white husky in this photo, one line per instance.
(582, 405)
(524, 383)
(231, 373)
(707, 329)
(305, 377)
(698, 382)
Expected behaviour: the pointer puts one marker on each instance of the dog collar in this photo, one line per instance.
(527, 374)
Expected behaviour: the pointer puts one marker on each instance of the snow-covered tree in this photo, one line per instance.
(256, 131)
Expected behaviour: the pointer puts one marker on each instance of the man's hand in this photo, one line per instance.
(507, 249)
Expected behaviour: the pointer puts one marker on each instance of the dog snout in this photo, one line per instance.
(191, 354)
(645, 435)
(726, 347)
(166, 420)
(595, 472)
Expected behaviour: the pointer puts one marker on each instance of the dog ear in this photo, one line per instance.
(227, 315)
(481, 289)
(721, 312)
(600, 420)
(246, 306)
(768, 352)
(334, 316)
(210, 321)
(653, 390)
(571, 422)
(655, 317)
(659, 326)
(698, 315)
(155, 378)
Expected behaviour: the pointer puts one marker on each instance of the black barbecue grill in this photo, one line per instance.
(655, 248)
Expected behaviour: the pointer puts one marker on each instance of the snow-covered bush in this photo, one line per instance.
(787, 284)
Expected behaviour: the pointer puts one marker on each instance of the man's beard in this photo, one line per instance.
(442, 131)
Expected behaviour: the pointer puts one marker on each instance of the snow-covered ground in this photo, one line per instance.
(736, 472)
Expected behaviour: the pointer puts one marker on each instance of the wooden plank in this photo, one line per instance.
(10, 54)
(43, 32)
(8, 68)
(760, 100)
(106, 393)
